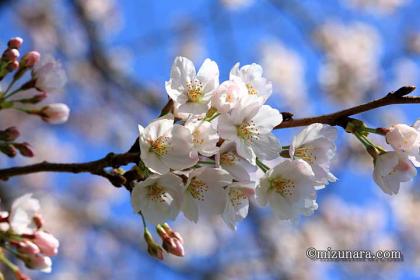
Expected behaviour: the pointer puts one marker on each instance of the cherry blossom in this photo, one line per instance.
(228, 95)
(315, 145)
(158, 198)
(251, 75)
(164, 145)
(228, 159)
(204, 136)
(406, 139)
(55, 113)
(22, 213)
(289, 188)
(391, 169)
(237, 202)
(49, 75)
(249, 125)
(204, 194)
(192, 91)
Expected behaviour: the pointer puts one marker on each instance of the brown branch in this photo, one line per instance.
(396, 97)
(96, 167)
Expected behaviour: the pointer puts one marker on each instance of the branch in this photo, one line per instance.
(396, 97)
(96, 167)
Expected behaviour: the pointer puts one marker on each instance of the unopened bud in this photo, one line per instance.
(46, 242)
(30, 59)
(55, 113)
(12, 66)
(152, 248)
(10, 134)
(8, 150)
(26, 247)
(11, 54)
(15, 43)
(39, 262)
(172, 241)
(24, 149)
(21, 276)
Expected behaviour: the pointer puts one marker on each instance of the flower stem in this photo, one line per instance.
(143, 220)
(209, 119)
(206, 162)
(8, 263)
(262, 166)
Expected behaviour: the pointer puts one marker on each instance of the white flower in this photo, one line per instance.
(204, 194)
(228, 95)
(392, 168)
(164, 145)
(249, 125)
(315, 145)
(55, 113)
(237, 202)
(289, 188)
(228, 159)
(192, 92)
(49, 75)
(159, 197)
(251, 75)
(204, 136)
(406, 139)
(22, 213)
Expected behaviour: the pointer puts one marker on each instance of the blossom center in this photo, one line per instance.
(236, 196)
(159, 146)
(285, 187)
(246, 130)
(194, 91)
(305, 153)
(197, 140)
(251, 89)
(227, 158)
(197, 189)
(156, 193)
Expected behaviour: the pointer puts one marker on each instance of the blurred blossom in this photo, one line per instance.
(286, 69)
(351, 69)
(237, 4)
(377, 6)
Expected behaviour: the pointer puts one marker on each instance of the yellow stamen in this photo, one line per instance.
(251, 89)
(197, 189)
(285, 187)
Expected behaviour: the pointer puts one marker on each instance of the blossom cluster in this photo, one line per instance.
(203, 157)
(46, 76)
(22, 234)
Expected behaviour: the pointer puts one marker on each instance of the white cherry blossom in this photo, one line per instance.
(22, 213)
(290, 189)
(166, 146)
(205, 193)
(192, 91)
(228, 95)
(49, 75)
(391, 169)
(228, 159)
(315, 145)
(249, 125)
(251, 75)
(406, 139)
(159, 197)
(237, 202)
(204, 136)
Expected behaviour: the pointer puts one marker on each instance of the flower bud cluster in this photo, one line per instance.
(22, 234)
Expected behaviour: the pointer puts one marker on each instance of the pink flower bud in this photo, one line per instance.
(30, 59)
(27, 247)
(55, 113)
(24, 149)
(173, 246)
(47, 243)
(39, 262)
(10, 134)
(8, 150)
(11, 54)
(153, 249)
(21, 276)
(12, 66)
(15, 43)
